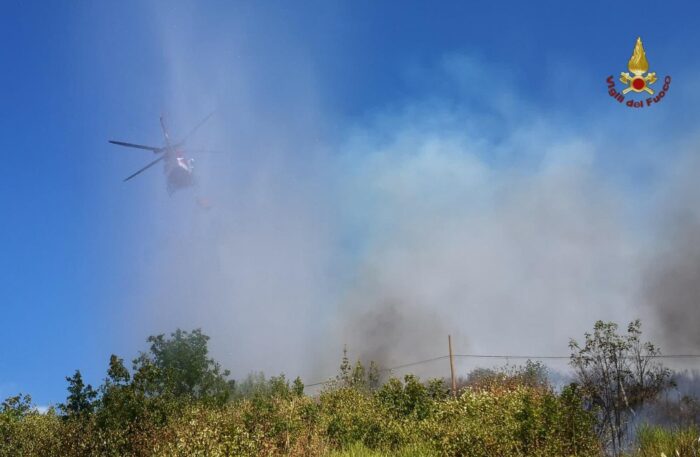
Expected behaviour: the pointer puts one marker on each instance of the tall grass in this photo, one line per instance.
(655, 441)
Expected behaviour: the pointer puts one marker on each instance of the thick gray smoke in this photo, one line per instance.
(507, 261)
(672, 284)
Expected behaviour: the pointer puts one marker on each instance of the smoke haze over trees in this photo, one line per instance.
(452, 212)
(379, 187)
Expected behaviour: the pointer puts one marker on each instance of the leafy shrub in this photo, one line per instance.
(172, 404)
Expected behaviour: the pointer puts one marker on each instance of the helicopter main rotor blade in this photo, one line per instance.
(137, 146)
(192, 132)
(145, 168)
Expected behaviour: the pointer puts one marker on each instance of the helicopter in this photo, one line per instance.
(178, 168)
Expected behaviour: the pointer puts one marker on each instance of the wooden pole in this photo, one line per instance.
(452, 367)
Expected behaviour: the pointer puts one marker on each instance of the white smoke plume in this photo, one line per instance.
(494, 224)
(510, 260)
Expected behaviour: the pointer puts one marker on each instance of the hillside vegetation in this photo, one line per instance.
(175, 401)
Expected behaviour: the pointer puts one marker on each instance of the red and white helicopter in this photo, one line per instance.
(178, 168)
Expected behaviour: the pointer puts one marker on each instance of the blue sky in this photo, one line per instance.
(78, 247)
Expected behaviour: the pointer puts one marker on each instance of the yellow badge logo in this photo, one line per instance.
(638, 65)
(638, 80)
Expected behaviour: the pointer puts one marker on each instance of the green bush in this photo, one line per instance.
(514, 422)
(401, 418)
(174, 403)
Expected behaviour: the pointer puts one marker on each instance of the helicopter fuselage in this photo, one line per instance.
(178, 170)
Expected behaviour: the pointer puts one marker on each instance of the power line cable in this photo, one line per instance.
(506, 357)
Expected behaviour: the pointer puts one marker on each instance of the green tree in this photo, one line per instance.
(408, 398)
(298, 387)
(81, 397)
(117, 374)
(16, 407)
(345, 375)
(120, 402)
(357, 376)
(373, 381)
(576, 422)
(180, 366)
(618, 373)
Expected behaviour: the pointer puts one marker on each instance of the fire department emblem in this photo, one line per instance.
(639, 79)
(638, 65)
